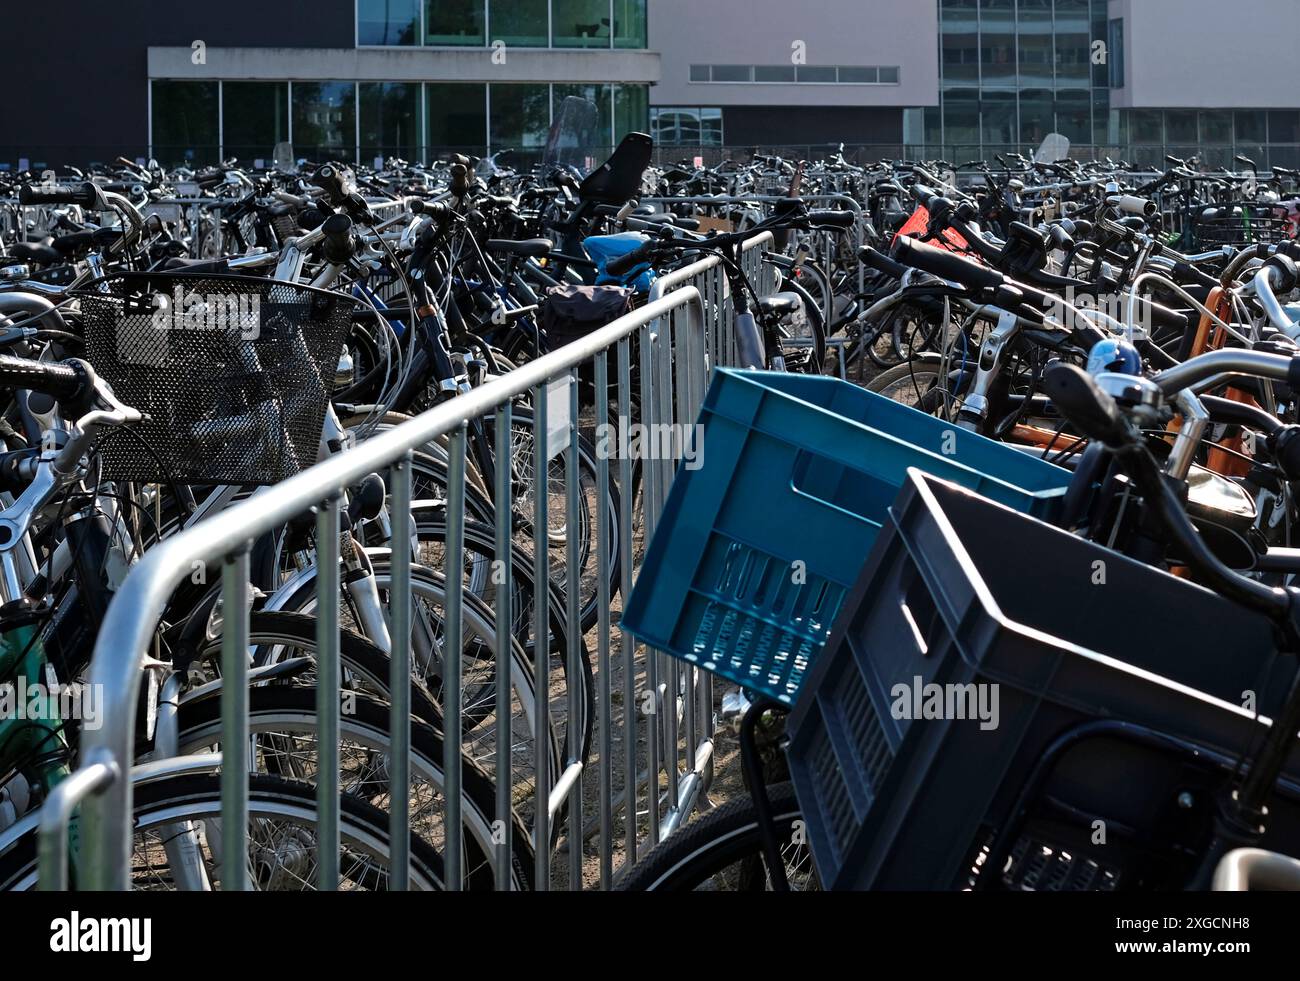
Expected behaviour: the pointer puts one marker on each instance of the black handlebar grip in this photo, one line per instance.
(83, 194)
(1282, 273)
(1078, 397)
(1286, 451)
(946, 265)
(1293, 374)
(830, 218)
(337, 243)
(621, 265)
(880, 262)
(459, 180)
(1187, 273)
(62, 381)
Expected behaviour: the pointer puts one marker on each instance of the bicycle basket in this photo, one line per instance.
(231, 372)
(755, 550)
(1237, 224)
(993, 677)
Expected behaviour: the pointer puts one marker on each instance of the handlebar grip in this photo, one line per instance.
(946, 265)
(84, 194)
(1094, 413)
(621, 265)
(337, 243)
(1130, 204)
(65, 381)
(830, 218)
(880, 262)
(923, 193)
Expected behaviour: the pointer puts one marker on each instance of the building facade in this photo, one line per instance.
(359, 79)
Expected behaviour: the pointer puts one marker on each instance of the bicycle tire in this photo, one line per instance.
(726, 836)
(367, 721)
(198, 797)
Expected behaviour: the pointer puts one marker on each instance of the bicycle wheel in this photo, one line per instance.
(279, 636)
(282, 838)
(282, 721)
(917, 383)
(722, 851)
(478, 693)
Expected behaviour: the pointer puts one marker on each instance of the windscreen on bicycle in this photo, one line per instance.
(576, 139)
(1054, 147)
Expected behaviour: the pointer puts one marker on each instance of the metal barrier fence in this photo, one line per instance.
(666, 716)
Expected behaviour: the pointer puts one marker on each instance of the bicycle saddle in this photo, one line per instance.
(781, 304)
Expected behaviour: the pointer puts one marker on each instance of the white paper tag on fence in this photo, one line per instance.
(557, 416)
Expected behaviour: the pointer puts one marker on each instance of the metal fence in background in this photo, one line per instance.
(661, 716)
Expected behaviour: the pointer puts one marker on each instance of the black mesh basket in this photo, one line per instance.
(1237, 224)
(232, 373)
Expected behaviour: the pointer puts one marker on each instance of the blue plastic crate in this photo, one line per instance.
(756, 549)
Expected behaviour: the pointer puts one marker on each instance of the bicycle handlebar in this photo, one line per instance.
(84, 194)
(1081, 400)
(621, 265)
(946, 265)
(69, 381)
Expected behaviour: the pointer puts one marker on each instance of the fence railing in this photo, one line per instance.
(661, 715)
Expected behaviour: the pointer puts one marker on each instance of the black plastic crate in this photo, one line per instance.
(960, 591)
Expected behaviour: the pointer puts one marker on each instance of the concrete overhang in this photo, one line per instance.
(408, 65)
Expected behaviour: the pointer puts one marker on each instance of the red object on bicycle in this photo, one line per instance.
(918, 226)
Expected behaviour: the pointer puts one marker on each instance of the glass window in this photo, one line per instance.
(1100, 32)
(998, 118)
(675, 127)
(1037, 115)
(390, 120)
(933, 129)
(700, 73)
(1146, 126)
(817, 73)
(686, 127)
(631, 108)
(1284, 127)
(1074, 115)
(1037, 57)
(959, 42)
(521, 116)
(255, 116)
(1251, 127)
(185, 123)
(457, 118)
(324, 120)
(388, 22)
(961, 116)
(1115, 53)
(629, 24)
(1216, 127)
(774, 73)
(889, 76)
(732, 73)
(857, 76)
(998, 41)
(1180, 127)
(580, 23)
(521, 23)
(1073, 44)
(454, 23)
(1105, 124)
